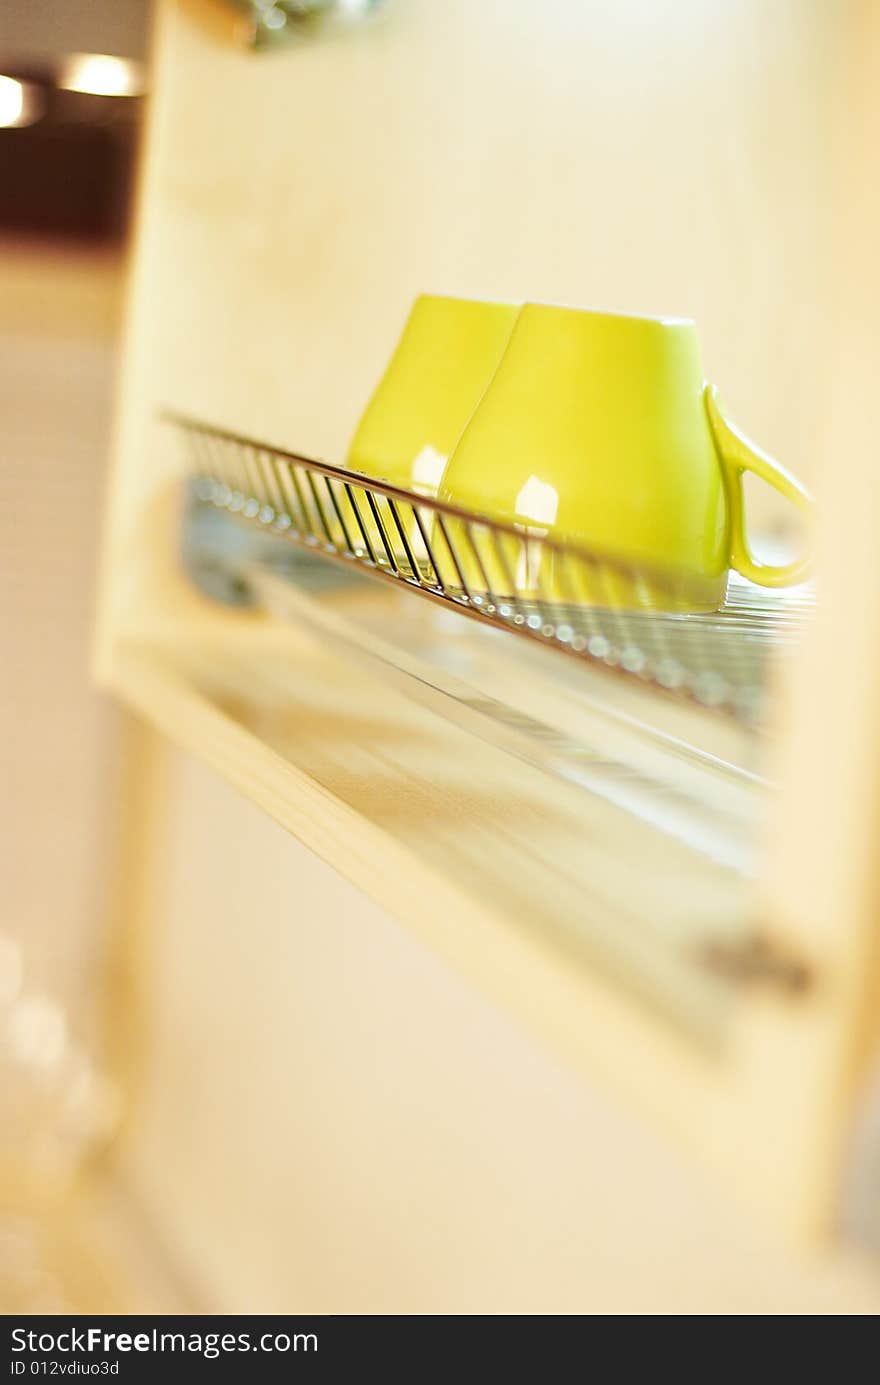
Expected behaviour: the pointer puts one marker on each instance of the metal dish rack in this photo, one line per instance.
(627, 617)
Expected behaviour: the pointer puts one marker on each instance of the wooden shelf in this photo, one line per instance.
(516, 880)
(406, 805)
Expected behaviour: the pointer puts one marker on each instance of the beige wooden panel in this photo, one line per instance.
(644, 157)
(334, 1121)
(292, 207)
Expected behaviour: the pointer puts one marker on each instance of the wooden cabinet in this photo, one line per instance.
(373, 1073)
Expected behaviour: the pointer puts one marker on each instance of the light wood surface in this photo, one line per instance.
(822, 863)
(624, 156)
(437, 824)
(461, 150)
(357, 1127)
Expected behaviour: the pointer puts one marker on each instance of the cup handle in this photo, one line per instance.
(739, 455)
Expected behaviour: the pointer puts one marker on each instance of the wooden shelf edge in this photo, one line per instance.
(697, 1096)
(520, 970)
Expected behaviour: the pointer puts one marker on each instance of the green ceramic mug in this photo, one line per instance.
(446, 356)
(600, 430)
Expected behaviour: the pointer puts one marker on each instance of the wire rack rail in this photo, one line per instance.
(631, 618)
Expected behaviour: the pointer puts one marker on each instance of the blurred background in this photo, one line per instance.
(72, 80)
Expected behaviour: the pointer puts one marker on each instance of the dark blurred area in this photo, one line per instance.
(72, 80)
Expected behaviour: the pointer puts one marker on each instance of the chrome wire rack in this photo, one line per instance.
(634, 619)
